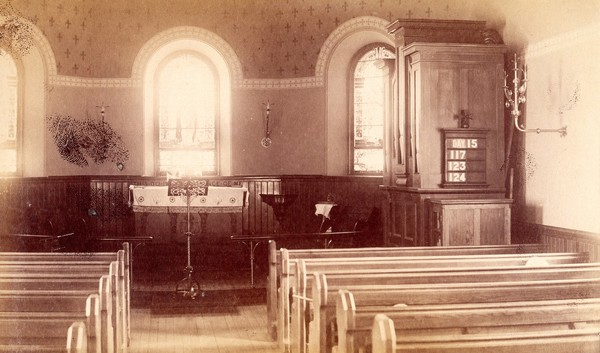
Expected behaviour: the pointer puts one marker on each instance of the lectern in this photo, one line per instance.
(188, 188)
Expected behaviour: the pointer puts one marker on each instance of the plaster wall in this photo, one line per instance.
(562, 181)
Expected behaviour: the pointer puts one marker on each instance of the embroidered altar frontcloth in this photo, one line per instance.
(218, 199)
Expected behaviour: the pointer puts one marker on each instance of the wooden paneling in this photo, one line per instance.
(559, 239)
(28, 205)
(407, 212)
(470, 222)
(443, 81)
(41, 205)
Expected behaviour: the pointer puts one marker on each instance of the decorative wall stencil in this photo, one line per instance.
(273, 39)
(78, 140)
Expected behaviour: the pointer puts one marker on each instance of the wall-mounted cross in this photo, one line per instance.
(102, 110)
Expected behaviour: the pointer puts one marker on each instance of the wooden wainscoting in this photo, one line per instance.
(357, 196)
(560, 239)
(42, 205)
(55, 204)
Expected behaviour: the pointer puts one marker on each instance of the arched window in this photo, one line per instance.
(187, 98)
(370, 103)
(198, 70)
(9, 116)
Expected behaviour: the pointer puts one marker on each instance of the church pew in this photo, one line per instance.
(58, 256)
(324, 296)
(90, 257)
(276, 264)
(354, 323)
(76, 342)
(282, 263)
(397, 263)
(581, 340)
(64, 302)
(62, 263)
(50, 329)
(56, 269)
(116, 305)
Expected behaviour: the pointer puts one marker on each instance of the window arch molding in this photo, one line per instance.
(228, 70)
(339, 51)
(34, 71)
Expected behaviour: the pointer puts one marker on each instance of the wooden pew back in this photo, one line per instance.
(354, 326)
(306, 267)
(34, 287)
(556, 341)
(439, 293)
(277, 258)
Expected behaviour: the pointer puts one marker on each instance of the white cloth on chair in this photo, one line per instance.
(323, 209)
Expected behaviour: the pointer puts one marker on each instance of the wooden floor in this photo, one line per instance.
(207, 333)
(244, 330)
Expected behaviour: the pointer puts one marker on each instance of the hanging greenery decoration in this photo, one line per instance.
(78, 140)
(16, 33)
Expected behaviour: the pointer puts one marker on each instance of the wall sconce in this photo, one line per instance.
(515, 96)
(266, 141)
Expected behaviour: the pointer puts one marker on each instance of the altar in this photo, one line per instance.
(146, 200)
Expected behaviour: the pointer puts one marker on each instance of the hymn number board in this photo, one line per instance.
(464, 157)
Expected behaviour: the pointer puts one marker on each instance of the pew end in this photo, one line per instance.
(383, 335)
(77, 338)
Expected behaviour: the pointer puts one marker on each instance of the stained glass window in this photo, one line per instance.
(187, 109)
(370, 104)
(8, 115)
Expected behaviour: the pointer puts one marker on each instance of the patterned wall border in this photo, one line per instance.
(72, 81)
(290, 83)
(583, 35)
(234, 64)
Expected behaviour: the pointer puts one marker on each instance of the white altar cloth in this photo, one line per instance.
(218, 199)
